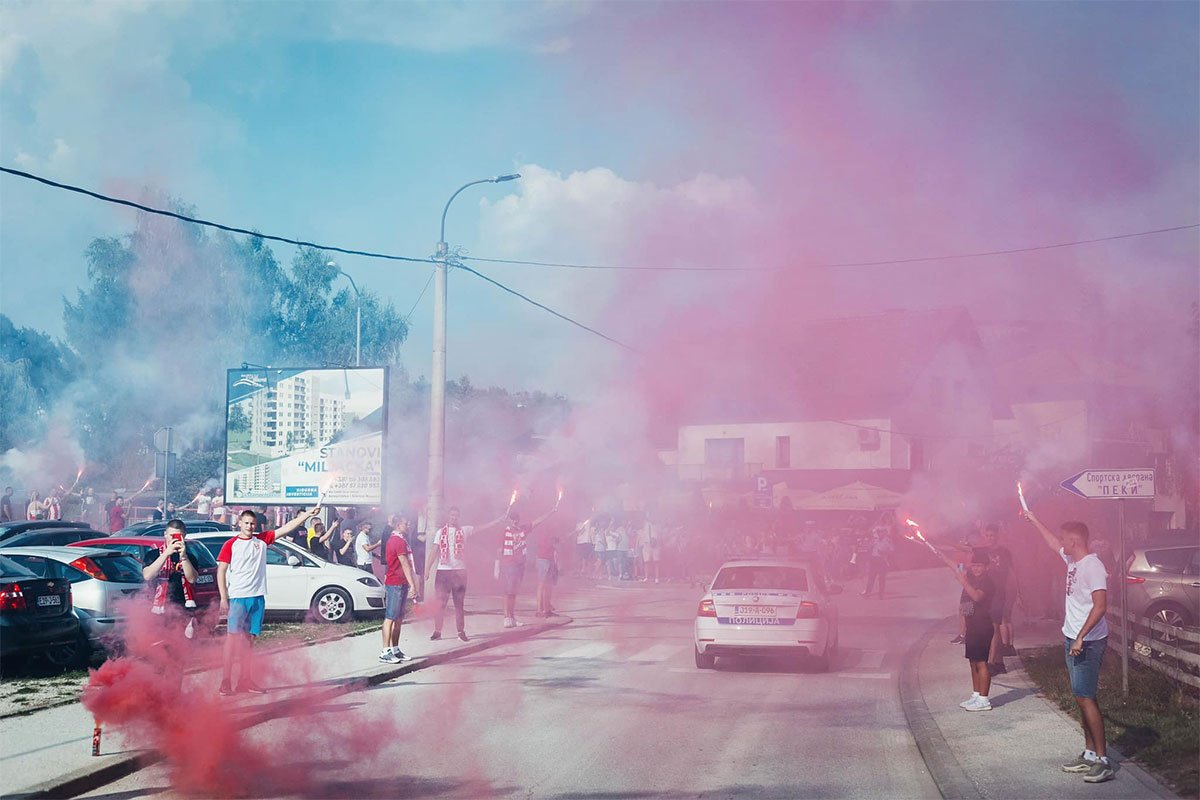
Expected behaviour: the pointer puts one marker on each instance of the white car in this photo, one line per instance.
(299, 582)
(767, 607)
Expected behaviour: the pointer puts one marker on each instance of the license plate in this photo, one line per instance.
(755, 611)
(49, 600)
(204, 579)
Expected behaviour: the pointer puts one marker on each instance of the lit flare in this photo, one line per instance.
(1021, 497)
(512, 501)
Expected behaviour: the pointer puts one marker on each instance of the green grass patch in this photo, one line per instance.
(1158, 725)
(288, 632)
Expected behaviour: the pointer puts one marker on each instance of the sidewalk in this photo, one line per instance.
(1014, 750)
(48, 753)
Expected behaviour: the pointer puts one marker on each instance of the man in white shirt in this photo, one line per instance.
(446, 565)
(242, 582)
(363, 548)
(1085, 634)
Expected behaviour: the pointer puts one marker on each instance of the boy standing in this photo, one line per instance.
(397, 581)
(242, 581)
(1085, 634)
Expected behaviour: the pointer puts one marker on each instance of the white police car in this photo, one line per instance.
(767, 607)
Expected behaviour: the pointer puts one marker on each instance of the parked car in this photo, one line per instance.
(157, 528)
(139, 546)
(10, 529)
(36, 617)
(51, 537)
(298, 582)
(1163, 583)
(98, 578)
(767, 607)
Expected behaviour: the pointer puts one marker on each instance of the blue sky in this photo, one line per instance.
(352, 122)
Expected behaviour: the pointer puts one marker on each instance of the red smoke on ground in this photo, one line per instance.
(205, 740)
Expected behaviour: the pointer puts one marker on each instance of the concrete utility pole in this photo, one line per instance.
(357, 312)
(437, 387)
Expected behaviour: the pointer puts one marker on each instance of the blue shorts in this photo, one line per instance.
(544, 573)
(1084, 668)
(393, 604)
(511, 576)
(246, 614)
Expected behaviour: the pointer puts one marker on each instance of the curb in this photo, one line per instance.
(951, 779)
(115, 767)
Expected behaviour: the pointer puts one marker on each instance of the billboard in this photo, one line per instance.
(293, 436)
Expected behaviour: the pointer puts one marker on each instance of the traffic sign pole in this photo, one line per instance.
(1123, 573)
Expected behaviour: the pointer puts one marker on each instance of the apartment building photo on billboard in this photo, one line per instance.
(294, 436)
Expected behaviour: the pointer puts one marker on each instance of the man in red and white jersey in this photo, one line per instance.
(510, 561)
(446, 564)
(242, 581)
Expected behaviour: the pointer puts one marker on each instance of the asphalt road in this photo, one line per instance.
(612, 706)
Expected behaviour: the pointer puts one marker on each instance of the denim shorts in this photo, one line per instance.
(393, 605)
(510, 576)
(246, 614)
(1084, 668)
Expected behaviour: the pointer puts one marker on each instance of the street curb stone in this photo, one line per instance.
(118, 766)
(951, 779)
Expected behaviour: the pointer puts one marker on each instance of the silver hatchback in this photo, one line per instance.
(1164, 584)
(99, 579)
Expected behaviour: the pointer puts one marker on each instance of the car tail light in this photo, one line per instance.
(807, 610)
(1134, 579)
(12, 598)
(91, 568)
(706, 609)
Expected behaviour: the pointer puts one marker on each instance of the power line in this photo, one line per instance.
(416, 302)
(836, 265)
(208, 223)
(531, 301)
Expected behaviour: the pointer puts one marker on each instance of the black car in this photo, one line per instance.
(10, 529)
(156, 528)
(54, 537)
(36, 617)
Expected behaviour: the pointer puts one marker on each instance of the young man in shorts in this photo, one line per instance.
(398, 580)
(1085, 633)
(242, 582)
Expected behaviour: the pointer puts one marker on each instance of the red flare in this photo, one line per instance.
(512, 500)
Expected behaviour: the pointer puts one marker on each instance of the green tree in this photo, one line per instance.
(34, 370)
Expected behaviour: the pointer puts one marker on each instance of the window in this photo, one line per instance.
(724, 452)
(762, 578)
(868, 439)
(277, 555)
(1174, 560)
(783, 452)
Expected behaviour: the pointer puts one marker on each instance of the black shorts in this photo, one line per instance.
(979, 642)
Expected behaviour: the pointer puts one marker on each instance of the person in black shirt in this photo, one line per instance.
(975, 606)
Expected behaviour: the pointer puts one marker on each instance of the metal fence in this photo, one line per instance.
(1172, 651)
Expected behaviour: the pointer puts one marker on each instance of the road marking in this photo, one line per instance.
(871, 659)
(590, 650)
(659, 652)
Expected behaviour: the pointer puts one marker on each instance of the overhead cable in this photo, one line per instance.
(530, 300)
(834, 265)
(209, 223)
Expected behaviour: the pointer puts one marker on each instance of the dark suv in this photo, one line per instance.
(1164, 584)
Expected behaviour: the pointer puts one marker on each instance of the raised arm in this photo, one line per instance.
(297, 522)
(490, 525)
(1047, 536)
(542, 518)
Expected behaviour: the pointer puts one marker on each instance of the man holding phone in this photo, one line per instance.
(169, 572)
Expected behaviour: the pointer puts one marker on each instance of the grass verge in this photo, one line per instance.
(276, 633)
(1158, 725)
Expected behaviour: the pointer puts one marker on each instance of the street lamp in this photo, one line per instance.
(437, 388)
(357, 313)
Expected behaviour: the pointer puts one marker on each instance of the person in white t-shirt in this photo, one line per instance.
(363, 548)
(448, 568)
(1085, 633)
(242, 582)
(204, 505)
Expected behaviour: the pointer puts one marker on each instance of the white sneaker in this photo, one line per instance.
(516, 623)
(969, 701)
(388, 657)
(979, 704)
(509, 622)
